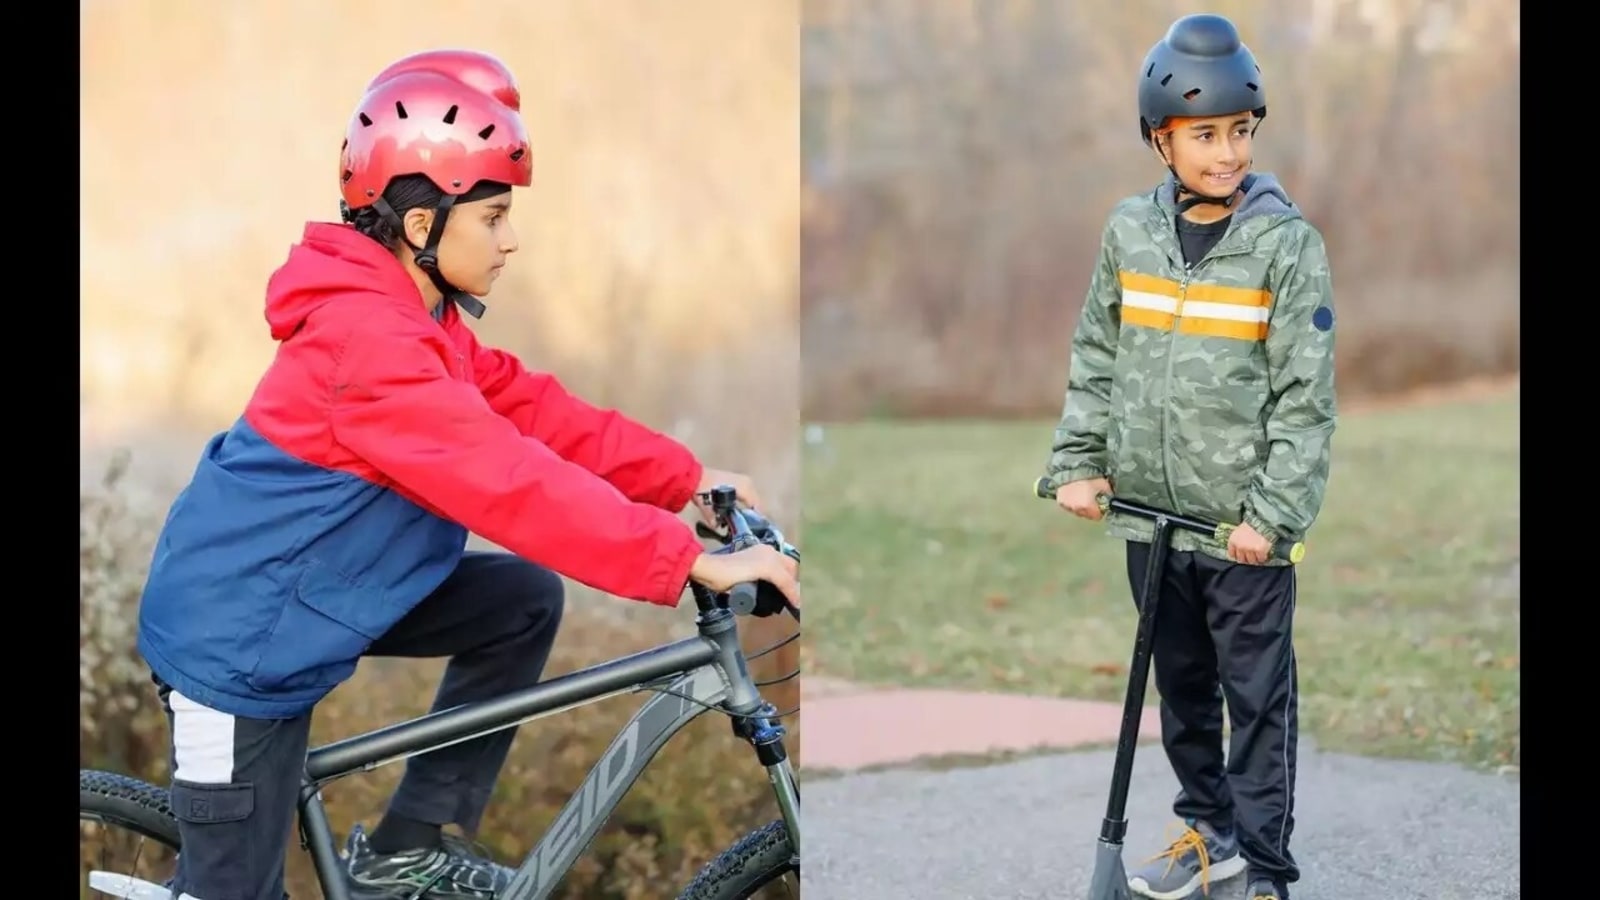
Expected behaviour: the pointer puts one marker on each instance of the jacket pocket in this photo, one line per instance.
(327, 623)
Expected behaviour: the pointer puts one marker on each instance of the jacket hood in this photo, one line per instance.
(1263, 196)
(332, 261)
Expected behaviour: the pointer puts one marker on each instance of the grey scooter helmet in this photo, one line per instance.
(1200, 68)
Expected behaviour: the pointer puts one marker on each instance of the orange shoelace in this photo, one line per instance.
(1190, 839)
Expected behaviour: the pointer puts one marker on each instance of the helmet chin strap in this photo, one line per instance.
(427, 257)
(1196, 198)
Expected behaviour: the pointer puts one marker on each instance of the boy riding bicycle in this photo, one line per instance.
(330, 521)
(1202, 381)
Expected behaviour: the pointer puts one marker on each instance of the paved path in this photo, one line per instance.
(849, 727)
(1027, 829)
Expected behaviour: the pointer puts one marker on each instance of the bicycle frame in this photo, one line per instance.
(705, 672)
(691, 677)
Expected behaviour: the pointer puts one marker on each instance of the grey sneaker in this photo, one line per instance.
(1196, 860)
(1264, 889)
(447, 872)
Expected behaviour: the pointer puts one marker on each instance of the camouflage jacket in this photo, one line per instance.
(1206, 389)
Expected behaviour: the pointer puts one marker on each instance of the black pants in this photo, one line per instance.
(1224, 631)
(235, 780)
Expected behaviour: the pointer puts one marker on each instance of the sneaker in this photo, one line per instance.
(1197, 859)
(448, 872)
(1264, 889)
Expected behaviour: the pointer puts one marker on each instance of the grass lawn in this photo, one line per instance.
(929, 563)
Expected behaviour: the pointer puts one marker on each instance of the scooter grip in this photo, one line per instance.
(1283, 548)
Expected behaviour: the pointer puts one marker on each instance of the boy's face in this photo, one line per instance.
(477, 239)
(1210, 155)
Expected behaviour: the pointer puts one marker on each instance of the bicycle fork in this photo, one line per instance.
(752, 722)
(766, 737)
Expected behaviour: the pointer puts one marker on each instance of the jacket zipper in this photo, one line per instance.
(1172, 352)
(1166, 392)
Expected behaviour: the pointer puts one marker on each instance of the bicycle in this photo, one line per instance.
(707, 672)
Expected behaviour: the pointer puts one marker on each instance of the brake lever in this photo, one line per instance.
(707, 532)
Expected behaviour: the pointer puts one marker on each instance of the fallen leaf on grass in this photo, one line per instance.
(996, 602)
(1106, 668)
(1008, 676)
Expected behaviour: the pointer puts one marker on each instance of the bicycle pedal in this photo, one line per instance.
(127, 887)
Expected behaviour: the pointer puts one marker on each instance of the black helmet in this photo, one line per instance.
(1199, 69)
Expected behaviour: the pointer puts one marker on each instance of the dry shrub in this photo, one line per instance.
(703, 791)
(118, 728)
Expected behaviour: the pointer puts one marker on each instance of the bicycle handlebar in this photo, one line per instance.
(746, 528)
(1292, 551)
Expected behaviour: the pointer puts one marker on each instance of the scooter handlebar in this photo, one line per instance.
(1291, 551)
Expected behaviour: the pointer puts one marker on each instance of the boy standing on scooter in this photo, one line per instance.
(1202, 381)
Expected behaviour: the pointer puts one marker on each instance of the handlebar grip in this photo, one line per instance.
(1283, 548)
(1292, 551)
(742, 599)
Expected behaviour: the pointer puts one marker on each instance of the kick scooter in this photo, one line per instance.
(1110, 878)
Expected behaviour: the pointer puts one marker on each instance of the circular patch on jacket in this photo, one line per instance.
(1322, 318)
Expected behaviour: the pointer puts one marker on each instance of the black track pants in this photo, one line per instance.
(1224, 632)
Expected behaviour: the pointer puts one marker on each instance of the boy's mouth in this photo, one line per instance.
(1227, 177)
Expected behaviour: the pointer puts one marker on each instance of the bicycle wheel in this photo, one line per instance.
(109, 803)
(761, 865)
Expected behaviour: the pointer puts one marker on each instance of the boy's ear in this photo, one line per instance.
(1163, 144)
(418, 221)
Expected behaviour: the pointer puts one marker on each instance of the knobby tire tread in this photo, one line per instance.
(750, 863)
(128, 802)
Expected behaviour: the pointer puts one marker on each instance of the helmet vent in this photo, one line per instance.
(1252, 85)
(517, 154)
(1191, 93)
(488, 130)
(399, 109)
(450, 117)
(366, 120)
(1166, 79)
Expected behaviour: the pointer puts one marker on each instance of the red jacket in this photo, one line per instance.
(376, 440)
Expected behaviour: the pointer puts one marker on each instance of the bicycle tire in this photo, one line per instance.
(127, 803)
(754, 861)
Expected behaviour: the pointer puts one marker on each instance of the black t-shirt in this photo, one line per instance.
(1197, 239)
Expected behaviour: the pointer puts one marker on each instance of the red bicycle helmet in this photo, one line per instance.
(453, 116)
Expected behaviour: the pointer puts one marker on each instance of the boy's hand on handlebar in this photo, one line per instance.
(721, 571)
(1082, 498)
(743, 488)
(1247, 545)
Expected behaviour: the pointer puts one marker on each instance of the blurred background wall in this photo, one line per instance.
(658, 274)
(961, 157)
